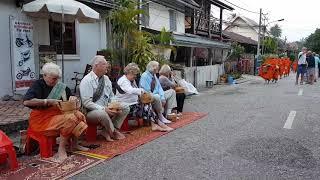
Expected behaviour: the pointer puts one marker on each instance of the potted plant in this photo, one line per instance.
(140, 49)
(162, 44)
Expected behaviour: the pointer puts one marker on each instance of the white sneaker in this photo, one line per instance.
(166, 121)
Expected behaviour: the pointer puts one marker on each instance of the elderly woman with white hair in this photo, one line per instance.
(150, 83)
(168, 85)
(46, 118)
(128, 92)
(96, 96)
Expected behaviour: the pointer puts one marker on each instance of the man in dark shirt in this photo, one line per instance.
(40, 90)
(311, 67)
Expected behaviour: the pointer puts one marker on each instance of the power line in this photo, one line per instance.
(241, 7)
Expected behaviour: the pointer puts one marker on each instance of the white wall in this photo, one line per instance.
(90, 38)
(159, 18)
(243, 29)
(203, 74)
(7, 9)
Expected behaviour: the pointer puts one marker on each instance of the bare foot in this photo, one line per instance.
(165, 127)
(81, 148)
(118, 135)
(106, 136)
(155, 127)
(60, 157)
(57, 159)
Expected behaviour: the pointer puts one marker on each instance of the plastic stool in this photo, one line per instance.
(7, 150)
(46, 143)
(125, 125)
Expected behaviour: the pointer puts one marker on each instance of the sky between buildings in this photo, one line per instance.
(301, 17)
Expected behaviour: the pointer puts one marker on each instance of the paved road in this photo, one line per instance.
(243, 137)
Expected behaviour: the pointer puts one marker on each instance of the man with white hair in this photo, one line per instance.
(96, 93)
(150, 83)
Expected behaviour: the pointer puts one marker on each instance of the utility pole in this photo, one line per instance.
(259, 42)
(264, 34)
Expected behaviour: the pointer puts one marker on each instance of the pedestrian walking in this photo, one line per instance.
(302, 65)
(317, 66)
(311, 67)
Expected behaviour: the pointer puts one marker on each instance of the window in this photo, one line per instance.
(145, 17)
(173, 20)
(69, 37)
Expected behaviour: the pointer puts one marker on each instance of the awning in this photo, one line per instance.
(189, 40)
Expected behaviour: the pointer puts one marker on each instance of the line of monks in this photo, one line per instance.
(274, 68)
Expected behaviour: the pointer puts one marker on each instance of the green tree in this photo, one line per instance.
(124, 23)
(237, 50)
(141, 49)
(312, 42)
(270, 45)
(276, 31)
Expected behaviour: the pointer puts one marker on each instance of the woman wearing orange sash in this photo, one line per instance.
(43, 98)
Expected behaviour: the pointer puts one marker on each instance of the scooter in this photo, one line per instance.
(21, 41)
(25, 57)
(26, 72)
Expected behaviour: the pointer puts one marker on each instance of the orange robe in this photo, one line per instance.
(266, 72)
(52, 121)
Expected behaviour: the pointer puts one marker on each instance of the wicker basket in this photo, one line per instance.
(115, 106)
(146, 98)
(79, 129)
(67, 106)
(172, 117)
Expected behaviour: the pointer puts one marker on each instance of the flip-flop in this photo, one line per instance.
(92, 146)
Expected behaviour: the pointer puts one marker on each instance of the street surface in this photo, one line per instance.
(252, 131)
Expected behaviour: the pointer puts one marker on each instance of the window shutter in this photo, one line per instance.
(173, 20)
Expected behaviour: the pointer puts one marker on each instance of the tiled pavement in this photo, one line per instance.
(13, 116)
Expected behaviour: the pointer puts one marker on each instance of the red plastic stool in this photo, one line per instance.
(91, 134)
(7, 150)
(125, 125)
(46, 143)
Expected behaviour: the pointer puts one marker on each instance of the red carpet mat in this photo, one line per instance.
(31, 168)
(141, 136)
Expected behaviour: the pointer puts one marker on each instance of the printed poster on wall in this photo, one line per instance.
(23, 54)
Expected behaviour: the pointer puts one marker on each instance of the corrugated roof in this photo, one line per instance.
(239, 38)
(221, 4)
(251, 23)
(178, 4)
(190, 3)
(190, 40)
(105, 3)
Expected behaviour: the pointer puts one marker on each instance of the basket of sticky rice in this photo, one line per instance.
(67, 106)
(179, 90)
(146, 98)
(115, 107)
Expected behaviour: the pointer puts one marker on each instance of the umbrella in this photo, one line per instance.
(61, 10)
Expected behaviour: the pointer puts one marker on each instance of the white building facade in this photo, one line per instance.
(84, 41)
(245, 27)
(175, 16)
